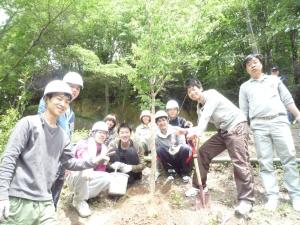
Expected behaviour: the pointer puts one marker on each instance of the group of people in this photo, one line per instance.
(39, 155)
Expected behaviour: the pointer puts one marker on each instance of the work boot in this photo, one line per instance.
(82, 208)
(243, 208)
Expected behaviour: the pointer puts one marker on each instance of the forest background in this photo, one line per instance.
(132, 51)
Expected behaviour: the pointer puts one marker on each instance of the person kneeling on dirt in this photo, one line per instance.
(171, 149)
(172, 109)
(128, 157)
(233, 135)
(143, 133)
(36, 148)
(89, 183)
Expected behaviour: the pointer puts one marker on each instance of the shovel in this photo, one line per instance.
(202, 199)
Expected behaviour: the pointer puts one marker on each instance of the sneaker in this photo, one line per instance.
(186, 179)
(243, 208)
(272, 204)
(82, 208)
(296, 205)
(170, 177)
(192, 192)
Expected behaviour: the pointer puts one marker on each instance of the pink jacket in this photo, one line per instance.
(87, 148)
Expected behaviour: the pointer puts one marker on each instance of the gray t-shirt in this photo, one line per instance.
(219, 111)
(267, 96)
(31, 159)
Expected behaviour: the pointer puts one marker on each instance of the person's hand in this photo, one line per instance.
(126, 168)
(87, 174)
(4, 209)
(188, 124)
(180, 131)
(117, 165)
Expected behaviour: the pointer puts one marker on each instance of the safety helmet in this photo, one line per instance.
(58, 86)
(145, 113)
(172, 104)
(100, 126)
(73, 78)
(159, 114)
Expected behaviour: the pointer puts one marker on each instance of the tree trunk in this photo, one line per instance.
(106, 90)
(152, 145)
(295, 63)
(252, 40)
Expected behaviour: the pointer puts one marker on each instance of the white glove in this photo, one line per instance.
(117, 165)
(4, 209)
(126, 168)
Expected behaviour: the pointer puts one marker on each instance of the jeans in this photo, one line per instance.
(178, 162)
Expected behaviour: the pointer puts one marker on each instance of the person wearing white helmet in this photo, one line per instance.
(172, 109)
(143, 132)
(89, 183)
(67, 122)
(171, 148)
(35, 149)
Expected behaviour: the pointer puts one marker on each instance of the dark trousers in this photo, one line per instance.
(58, 185)
(236, 142)
(178, 162)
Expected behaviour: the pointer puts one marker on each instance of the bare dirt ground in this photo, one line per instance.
(169, 206)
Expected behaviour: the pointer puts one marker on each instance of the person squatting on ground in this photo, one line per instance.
(36, 147)
(172, 150)
(265, 100)
(128, 157)
(66, 121)
(89, 183)
(143, 132)
(172, 108)
(111, 122)
(233, 135)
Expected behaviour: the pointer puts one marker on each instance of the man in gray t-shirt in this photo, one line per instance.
(265, 100)
(30, 162)
(233, 135)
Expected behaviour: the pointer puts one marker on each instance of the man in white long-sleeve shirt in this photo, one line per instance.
(233, 134)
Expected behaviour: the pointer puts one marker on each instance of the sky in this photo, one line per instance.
(3, 17)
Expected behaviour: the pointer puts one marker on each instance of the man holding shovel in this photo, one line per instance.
(233, 135)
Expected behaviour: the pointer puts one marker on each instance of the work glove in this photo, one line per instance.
(126, 168)
(4, 209)
(117, 165)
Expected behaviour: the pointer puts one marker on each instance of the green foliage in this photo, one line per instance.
(7, 122)
(79, 135)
